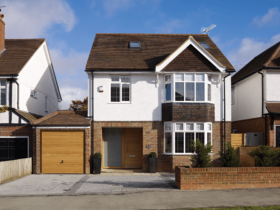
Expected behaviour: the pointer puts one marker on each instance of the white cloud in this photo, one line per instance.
(272, 17)
(69, 63)
(248, 49)
(71, 89)
(111, 6)
(32, 18)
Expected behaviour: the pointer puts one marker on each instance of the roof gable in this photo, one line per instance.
(268, 58)
(111, 51)
(190, 56)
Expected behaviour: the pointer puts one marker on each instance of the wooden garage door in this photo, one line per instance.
(62, 152)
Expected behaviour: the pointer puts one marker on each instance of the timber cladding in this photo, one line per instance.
(182, 112)
(226, 178)
(53, 143)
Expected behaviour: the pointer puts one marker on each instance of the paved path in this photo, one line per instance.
(55, 184)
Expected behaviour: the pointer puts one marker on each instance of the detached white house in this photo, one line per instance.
(256, 96)
(157, 92)
(28, 88)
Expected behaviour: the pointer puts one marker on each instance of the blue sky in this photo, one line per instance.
(244, 28)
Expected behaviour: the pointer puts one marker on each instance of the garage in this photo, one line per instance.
(63, 143)
(63, 152)
(13, 148)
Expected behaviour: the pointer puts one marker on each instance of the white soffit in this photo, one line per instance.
(196, 45)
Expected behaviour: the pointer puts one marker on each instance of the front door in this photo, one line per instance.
(277, 140)
(122, 147)
(132, 147)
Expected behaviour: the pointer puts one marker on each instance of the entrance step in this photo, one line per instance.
(122, 170)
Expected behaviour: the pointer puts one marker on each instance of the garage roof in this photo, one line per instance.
(65, 118)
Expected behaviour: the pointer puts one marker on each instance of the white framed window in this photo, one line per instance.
(120, 88)
(179, 136)
(3, 92)
(190, 87)
(46, 104)
(232, 95)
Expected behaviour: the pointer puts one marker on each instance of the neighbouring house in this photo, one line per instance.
(157, 92)
(256, 96)
(29, 90)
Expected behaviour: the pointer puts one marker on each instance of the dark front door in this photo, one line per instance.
(13, 148)
(277, 136)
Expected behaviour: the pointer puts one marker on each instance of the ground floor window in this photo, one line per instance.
(178, 136)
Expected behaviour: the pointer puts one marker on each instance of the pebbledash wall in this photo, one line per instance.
(153, 135)
(37, 149)
(25, 130)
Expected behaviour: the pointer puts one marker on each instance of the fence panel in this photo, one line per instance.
(237, 139)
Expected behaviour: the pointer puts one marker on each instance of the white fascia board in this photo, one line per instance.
(187, 43)
(120, 72)
(53, 73)
(61, 127)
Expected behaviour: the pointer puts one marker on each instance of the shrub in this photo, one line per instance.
(202, 158)
(97, 155)
(230, 157)
(265, 156)
(153, 154)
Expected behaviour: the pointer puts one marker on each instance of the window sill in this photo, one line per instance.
(119, 103)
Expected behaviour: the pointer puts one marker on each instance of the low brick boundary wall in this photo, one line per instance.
(226, 178)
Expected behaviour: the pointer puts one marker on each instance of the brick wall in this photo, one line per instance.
(226, 178)
(257, 125)
(153, 135)
(182, 112)
(37, 138)
(2, 33)
(19, 131)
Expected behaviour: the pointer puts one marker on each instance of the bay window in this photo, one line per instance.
(178, 137)
(188, 87)
(3, 92)
(120, 88)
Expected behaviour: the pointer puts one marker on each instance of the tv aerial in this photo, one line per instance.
(1, 7)
(206, 30)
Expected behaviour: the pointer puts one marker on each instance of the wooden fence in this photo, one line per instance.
(237, 139)
(14, 169)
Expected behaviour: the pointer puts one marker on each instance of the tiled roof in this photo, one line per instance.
(111, 51)
(268, 58)
(273, 107)
(29, 116)
(17, 54)
(65, 118)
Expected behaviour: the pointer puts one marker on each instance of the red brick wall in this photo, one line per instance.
(38, 139)
(153, 135)
(19, 131)
(2, 34)
(226, 178)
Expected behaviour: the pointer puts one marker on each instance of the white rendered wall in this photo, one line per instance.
(145, 105)
(272, 90)
(248, 98)
(36, 75)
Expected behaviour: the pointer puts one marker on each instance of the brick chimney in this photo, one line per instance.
(2, 33)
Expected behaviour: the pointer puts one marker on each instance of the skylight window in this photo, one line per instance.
(205, 45)
(135, 44)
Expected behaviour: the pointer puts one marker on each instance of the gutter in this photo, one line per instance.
(225, 111)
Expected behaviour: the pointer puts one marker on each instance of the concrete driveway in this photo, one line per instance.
(80, 184)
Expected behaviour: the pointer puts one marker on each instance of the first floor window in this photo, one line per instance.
(179, 137)
(3, 92)
(120, 88)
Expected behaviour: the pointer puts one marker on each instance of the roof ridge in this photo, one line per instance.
(150, 34)
(26, 39)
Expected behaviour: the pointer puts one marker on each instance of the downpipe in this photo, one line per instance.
(263, 106)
